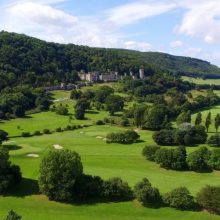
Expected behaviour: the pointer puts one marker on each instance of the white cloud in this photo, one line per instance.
(133, 12)
(176, 44)
(201, 20)
(141, 46)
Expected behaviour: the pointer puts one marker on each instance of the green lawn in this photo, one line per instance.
(106, 160)
(202, 81)
(99, 158)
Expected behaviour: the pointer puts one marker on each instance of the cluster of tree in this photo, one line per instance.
(208, 120)
(102, 98)
(10, 175)
(62, 179)
(185, 134)
(177, 159)
(15, 101)
(126, 137)
(12, 215)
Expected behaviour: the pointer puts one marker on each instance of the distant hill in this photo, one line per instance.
(33, 61)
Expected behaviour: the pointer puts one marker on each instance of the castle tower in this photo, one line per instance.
(141, 73)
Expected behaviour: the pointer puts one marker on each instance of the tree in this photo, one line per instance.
(149, 152)
(179, 198)
(198, 120)
(114, 103)
(79, 113)
(12, 215)
(208, 121)
(3, 136)
(10, 175)
(209, 199)
(83, 104)
(102, 93)
(147, 194)
(116, 189)
(217, 122)
(214, 140)
(164, 137)
(18, 111)
(139, 115)
(61, 110)
(75, 94)
(59, 171)
(198, 160)
(184, 117)
(214, 161)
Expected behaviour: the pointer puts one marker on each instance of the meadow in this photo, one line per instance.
(201, 81)
(99, 158)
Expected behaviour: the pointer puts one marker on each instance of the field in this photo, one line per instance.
(202, 81)
(99, 158)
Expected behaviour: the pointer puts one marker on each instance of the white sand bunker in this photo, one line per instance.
(137, 130)
(81, 132)
(57, 147)
(33, 155)
(99, 137)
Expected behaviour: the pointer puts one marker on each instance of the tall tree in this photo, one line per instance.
(198, 120)
(208, 121)
(12, 215)
(217, 122)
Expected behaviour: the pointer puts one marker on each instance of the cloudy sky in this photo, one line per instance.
(180, 27)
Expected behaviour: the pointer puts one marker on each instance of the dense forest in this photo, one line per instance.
(38, 63)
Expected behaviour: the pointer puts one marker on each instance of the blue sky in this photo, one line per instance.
(180, 27)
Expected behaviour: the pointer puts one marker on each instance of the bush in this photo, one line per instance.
(127, 137)
(214, 140)
(179, 198)
(12, 216)
(209, 199)
(116, 189)
(59, 130)
(146, 194)
(61, 110)
(10, 175)
(198, 160)
(99, 122)
(214, 161)
(46, 131)
(37, 133)
(163, 137)
(59, 171)
(88, 187)
(149, 152)
(171, 159)
(25, 134)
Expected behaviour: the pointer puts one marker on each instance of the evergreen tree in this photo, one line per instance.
(198, 120)
(208, 121)
(217, 122)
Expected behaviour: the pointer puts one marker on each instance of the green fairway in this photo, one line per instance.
(106, 160)
(202, 81)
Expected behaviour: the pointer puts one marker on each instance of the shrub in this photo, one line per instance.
(61, 110)
(214, 140)
(10, 175)
(209, 199)
(37, 133)
(116, 189)
(99, 122)
(127, 137)
(149, 152)
(146, 194)
(46, 131)
(163, 137)
(171, 158)
(198, 160)
(214, 161)
(59, 130)
(59, 171)
(179, 198)
(12, 216)
(88, 187)
(25, 134)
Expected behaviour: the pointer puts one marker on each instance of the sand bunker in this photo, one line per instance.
(57, 147)
(81, 132)
(33, 155)
(99, 137)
